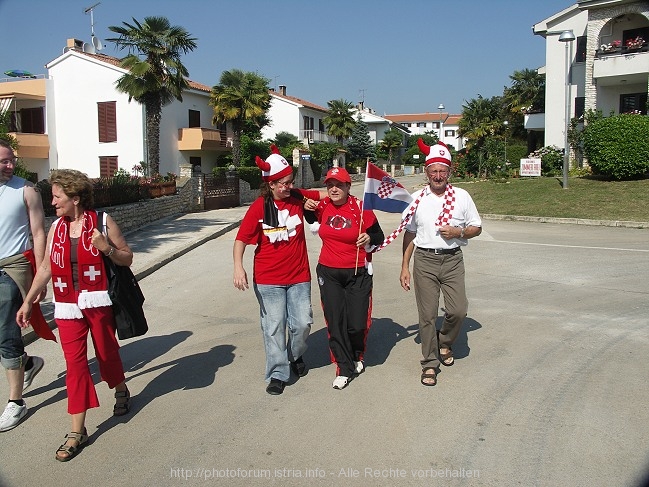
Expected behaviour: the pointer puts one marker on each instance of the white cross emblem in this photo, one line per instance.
(60, 284)
(92, 273)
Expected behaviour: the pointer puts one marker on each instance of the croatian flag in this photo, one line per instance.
(383, 192)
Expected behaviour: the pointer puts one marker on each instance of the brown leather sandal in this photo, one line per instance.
(428, 376)
(123, 403)
(446, 358)
(71, 451)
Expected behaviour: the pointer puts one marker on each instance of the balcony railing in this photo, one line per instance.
(311, 136)
(622, 65)
(600, 53)
(199, 138)
(32, 146)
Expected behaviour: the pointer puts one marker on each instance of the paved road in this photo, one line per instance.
(547, 388)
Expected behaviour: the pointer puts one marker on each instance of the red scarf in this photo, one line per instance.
(93, 285)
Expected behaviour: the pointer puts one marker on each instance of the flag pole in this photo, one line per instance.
(360, 228)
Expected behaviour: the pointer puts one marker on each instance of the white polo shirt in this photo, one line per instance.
(422, 222)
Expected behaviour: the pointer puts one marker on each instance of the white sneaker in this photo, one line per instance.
(340, 382)
(12, 415)
(359, 367)
(37, 365)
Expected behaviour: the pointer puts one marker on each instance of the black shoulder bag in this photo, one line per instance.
(125, 294)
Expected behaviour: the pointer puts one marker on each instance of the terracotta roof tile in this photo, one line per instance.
(299, 100)
(423, 117)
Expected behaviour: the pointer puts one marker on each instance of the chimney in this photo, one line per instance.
(360, 106)
(282, 89)
(75, 44)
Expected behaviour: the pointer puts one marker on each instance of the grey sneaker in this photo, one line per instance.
(12, 415)
(37, 365)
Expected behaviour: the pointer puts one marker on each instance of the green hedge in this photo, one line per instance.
(618, 147)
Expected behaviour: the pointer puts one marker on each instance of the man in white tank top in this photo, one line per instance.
(21, 217)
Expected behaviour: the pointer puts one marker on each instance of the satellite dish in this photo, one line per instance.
(97, 43)
(89, 48)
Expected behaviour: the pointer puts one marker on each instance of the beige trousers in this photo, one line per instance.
(432, 273)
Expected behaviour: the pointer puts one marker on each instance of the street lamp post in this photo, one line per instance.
(440, 108)
(567, 36)
(505, 123)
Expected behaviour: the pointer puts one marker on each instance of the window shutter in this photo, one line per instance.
(107, 166)
(107, 121)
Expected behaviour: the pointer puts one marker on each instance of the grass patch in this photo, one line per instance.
(586, 198)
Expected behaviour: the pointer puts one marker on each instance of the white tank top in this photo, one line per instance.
(14, 219)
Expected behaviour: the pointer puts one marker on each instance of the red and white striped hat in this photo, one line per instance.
(274, 167)
(436, 154)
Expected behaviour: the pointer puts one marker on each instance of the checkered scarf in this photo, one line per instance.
(449, 205)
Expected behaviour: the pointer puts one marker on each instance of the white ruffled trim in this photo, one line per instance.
(94, 299)
(67, 311)
(314, 227)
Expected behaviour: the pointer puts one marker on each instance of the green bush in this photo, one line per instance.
(551, 159)
(251, 175)
(618, 146)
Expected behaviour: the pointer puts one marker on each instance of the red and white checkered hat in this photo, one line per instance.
(436, 154)
(274, 167)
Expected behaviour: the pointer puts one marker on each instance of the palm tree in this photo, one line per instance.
(526, 95)
(481, 121)
(241, 98)
(527, 92)
(340, 121)
(392, 140)
(157, 79)
(481, 118)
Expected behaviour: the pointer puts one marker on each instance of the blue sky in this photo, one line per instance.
(398, 56)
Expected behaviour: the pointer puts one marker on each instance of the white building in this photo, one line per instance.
(299, 117)
(378, 126)
(445, 125)
(608, 69)
(86, 124)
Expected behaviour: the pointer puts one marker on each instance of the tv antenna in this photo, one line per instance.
(362, 93)
(95, 40)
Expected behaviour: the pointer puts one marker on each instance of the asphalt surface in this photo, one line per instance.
(547, 388)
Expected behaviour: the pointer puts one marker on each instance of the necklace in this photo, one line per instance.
(75, 228)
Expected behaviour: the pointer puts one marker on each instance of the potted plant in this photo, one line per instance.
(635, 43)
(610, 47)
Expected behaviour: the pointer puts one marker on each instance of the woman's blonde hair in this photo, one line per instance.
(74, 183)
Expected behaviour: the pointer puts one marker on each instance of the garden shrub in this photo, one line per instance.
(251, 175)
(551, 160)
(618, 146)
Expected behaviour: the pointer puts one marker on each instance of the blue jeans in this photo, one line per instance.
(12, 350)
(281, 307)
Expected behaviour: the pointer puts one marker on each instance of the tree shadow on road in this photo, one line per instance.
(135, 355)
(188, 372)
